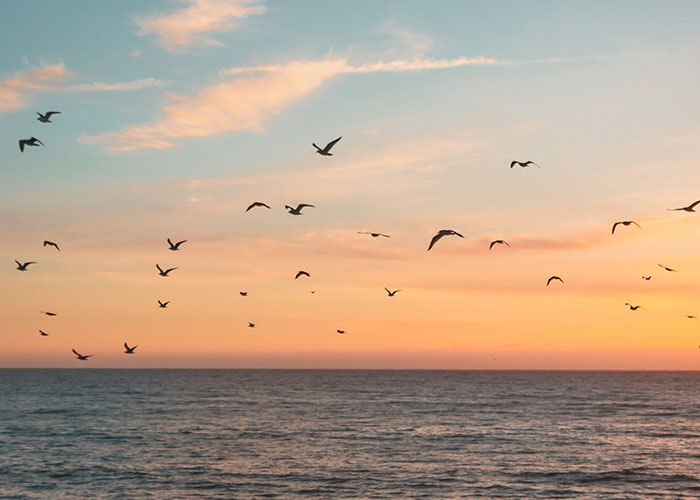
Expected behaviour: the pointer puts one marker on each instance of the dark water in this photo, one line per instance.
(179, 434)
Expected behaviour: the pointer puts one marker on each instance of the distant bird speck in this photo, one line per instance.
(554, 278)
(523, 163)
(302, 273)
(690, 316)
(175, 246)
(80, 356)
(164, 273)
(625, 223)
(51, 243)
(48, 313)
(498, 242)
(440, 234)
(163, 305)
(374, 235)
(298, 209)
(251, 325)
(326, 151)
(129, 350)
(689, 208)
(391, 294)
(43, 333)
(633, 308)
(257, 204)
(668, 269)
(32, 141)
(244, 294)
(46, 118)
(23, 266)
(646, 278)
(340, 331)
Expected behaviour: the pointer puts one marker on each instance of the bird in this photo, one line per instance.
(523, 163)
(163, 305)
(689, 208)
(129, 350)
(312, 291)
(668, 269)
(43, 333)
(164, 273)
(80, 356)
(625, 223)
(374, 235)
(326, 151)
(646, 278)
(391, 294)
(498, 242)
(297, 211)
(554, 278)
(690, 316)
(23, 267)
(48, 313)
(340, 331)
(633, 308)
(257, 204)
(244, 294)
(51, 243)
(302, 273)
(32, 141)
(251, 325)
(175, 247)
(440, 234)
(46, 118)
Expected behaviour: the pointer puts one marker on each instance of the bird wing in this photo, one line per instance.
(302, 205)
(171, 269)
(491, 245)
(170, 242)
(28, 263)
(513, 163)
(166, 303)
(532, 163)
(159, 268)
(76, 352)
(49, 113)
(387, 290)
(18, 263)
(331, 144)
(693, 205)
(385, 235)
(614, 226)
(36, 140)
(640, 227)
(22, 142)
(435, 239)
(126, 346)
(180, 243)
(317, 148)
(457, 234)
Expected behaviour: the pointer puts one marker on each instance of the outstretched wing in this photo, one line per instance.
(302, 205)
(76, 352)
(159, 268)
(49, 113)
(694, 204)
(331, 144)
(614, 226)
(435, 239)
(22, 142)
(513, 163)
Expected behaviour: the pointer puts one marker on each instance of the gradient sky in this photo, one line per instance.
(178, 114)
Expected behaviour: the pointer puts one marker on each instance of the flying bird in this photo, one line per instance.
(340, 331)
(251, 325)
(374, 235)
(51, 243)
(244, 294)
(690, 316)
(32, 141)
(297, 211)
(440, 234)
(175, 246)
(23, 267)
(646, 278)
(498, 242)
(80, 356)
(689, 208)
(326, 151)
(668, 269)
(523, 163)
(129, 350)
(554, 278)
(257, 204)
(43, 333)
(302, 273)
(164, 273)
(391, 294)
(46, 118)
(633, 308)
(163, 305)
(625, 223)
(48, 313)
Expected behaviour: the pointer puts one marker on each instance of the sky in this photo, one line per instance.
(177, 114)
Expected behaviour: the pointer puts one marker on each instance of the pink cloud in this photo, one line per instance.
(15, 89)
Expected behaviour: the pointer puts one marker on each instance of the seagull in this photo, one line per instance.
(243, 293)
(80, 356)
(340, 331)
(51, 243)
(633, 308)
(312, 291)
(689, 208)
(129, 350)
(48, 313)
(646, 278)
(498, 242)
(554, 278)
(441, 233)
(302, 273)
(163, 305)
(46, 118)
(523, 164)
(391, 294)
(32, 141)
(175, 247)
(251, 325)
(43, 333)
(668, 269)
(690, 316)
(625, 223)
(23, 267)
(164, 273)
(297, 211)
(326, 151)
(374, 235)
(257, 204)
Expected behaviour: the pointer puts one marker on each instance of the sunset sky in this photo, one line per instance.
(176, 115)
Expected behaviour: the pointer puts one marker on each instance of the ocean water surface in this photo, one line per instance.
(308, 434)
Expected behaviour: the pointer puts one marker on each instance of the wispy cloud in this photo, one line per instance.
(188, 26)
(116, 86)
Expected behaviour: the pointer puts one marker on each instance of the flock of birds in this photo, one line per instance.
(325, 151)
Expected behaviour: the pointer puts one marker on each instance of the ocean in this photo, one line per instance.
(317, 434)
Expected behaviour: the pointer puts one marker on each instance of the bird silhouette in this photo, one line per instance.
(326, 151)
(175, 246)
(625, 223)
(302, 273)
(32, 141)
(440, 234)
(51, 243)
(257, 204)
(689, 208)
(646, 278)
(251, 325)
(668, 269)
(340, 331)
(554, 278)
(633, 308)
(163, 305)
(391, 294)
(46, 118)
(80, 356)
(374, 235)
(43, 333)
(48, 313)
(23, 266)
(164, 273)
(129, 350)
(297, 210)
(690, 316)
(523, 163)
(244, 294)
(498, 242)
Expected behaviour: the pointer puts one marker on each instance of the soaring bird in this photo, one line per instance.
(523, 163)
(163, 305)
(43, 333)
(374, 235)
(257, 204)
(326, 151)
(48, 313)
(625, 223)
(23, 267)
(690, 316)
(340, 331)
(32, 141)
(554, 278)
(668, 269)
(440, 234)
(251, 325)
(175, 246)
(297, 211)
(633, 308)
(129, 350)
(51, 243)
(689, 208)
(498, 242)
(391, 294)
(164, 273)
(46, 118)
(80, 356)
(646, 278)
(243, 293)
(302, 273)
